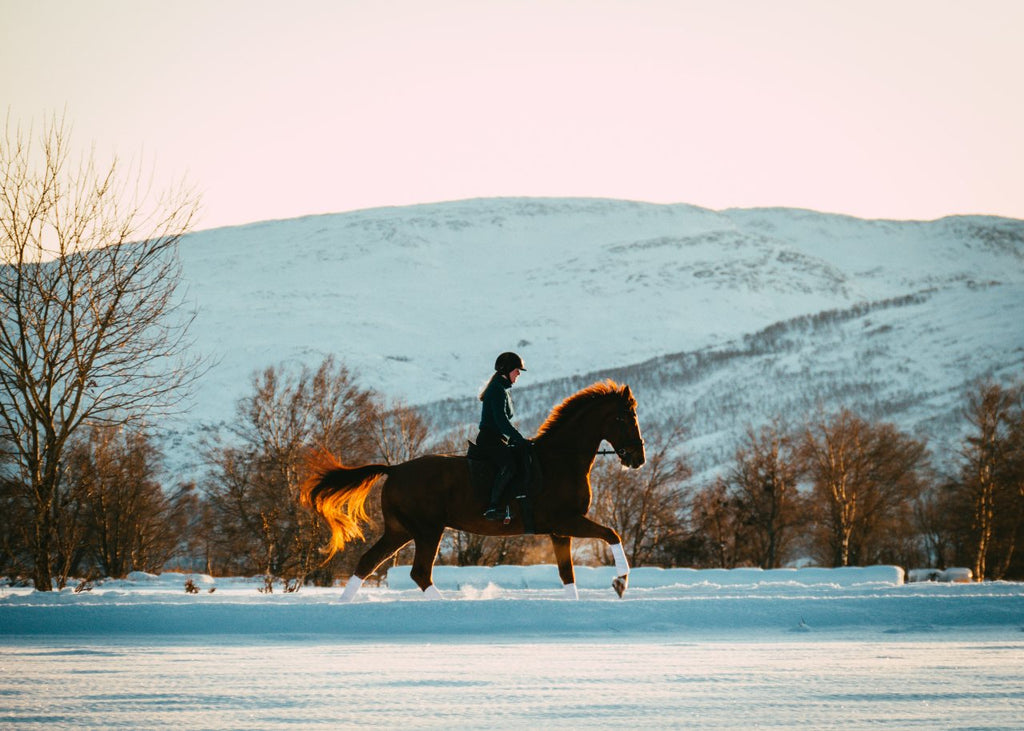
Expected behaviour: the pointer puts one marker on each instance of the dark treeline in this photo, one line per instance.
(836, 489)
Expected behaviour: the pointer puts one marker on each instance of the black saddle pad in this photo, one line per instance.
(482, 470)
(477, 453)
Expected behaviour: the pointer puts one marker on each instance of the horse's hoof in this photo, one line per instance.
(620, 583)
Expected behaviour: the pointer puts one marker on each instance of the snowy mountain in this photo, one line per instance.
(716, 318)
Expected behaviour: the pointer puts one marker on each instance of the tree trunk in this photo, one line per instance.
(983, 521)
(42, 572)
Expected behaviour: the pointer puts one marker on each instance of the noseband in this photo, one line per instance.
(624, 449)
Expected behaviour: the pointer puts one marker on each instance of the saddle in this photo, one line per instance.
(525, 484)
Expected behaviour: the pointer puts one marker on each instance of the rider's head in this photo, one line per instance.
(507, 363)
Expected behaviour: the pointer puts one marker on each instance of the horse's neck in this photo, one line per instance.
(581, 434)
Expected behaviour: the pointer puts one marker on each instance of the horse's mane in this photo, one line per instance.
(576, 403)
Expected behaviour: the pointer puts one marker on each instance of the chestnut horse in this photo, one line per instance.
(424, 496)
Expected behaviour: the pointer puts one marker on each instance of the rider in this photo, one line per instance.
(497, 434)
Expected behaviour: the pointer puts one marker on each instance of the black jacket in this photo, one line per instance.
(496, 413)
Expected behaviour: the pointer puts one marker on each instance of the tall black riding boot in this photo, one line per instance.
(501, 481)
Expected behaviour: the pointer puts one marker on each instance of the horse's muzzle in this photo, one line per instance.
(632, 455)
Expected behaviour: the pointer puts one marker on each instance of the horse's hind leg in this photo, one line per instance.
(423, 562)
(392, 540)
(563, 557)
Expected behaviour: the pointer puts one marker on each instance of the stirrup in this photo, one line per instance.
(492, 513)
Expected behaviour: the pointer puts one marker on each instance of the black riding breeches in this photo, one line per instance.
(503, 455)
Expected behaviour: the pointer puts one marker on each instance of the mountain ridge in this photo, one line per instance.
(419, 299)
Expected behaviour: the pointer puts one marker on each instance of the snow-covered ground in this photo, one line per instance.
(850, 648)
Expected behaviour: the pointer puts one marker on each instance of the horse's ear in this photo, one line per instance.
(627, 393)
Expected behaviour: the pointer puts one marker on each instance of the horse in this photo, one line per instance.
(426, 495)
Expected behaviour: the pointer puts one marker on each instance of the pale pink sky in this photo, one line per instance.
(875, 108)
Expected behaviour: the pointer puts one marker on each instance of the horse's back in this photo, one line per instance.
(425, 488)
(430, 473)
(430, 462)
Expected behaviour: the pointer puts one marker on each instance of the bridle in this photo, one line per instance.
(623, 450)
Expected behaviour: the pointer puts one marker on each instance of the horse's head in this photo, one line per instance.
(623, 431)
(604, 411)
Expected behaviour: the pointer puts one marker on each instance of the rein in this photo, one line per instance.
(608, 452)
(621, 450)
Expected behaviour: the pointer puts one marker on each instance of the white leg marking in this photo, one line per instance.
(570, 591)
(432, 593)
(351, 587)
(621, 564)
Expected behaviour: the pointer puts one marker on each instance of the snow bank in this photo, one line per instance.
(525, 601)
(545, 576)
(169, 578)
(958, 575)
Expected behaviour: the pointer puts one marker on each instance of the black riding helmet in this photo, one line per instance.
(508, 362)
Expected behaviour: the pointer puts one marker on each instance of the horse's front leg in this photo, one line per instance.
(580, 526)
(563, 557)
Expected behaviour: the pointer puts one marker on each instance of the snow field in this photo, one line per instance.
(742, 649)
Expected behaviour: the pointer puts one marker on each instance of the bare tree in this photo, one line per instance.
(991, 483)
(763, 485)
(887, 532)
(646, 506)
(398, 432)
(866, 478)
(836, 456)
(129, 521)
(1012, 478)
(717, 532)
(936, 527)
(256, 469)
(90, 329)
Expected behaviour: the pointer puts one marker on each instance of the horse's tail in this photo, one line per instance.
(339, 493)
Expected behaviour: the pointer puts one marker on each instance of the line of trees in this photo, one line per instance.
(839, 490)
(836, 490)
(111, 514)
